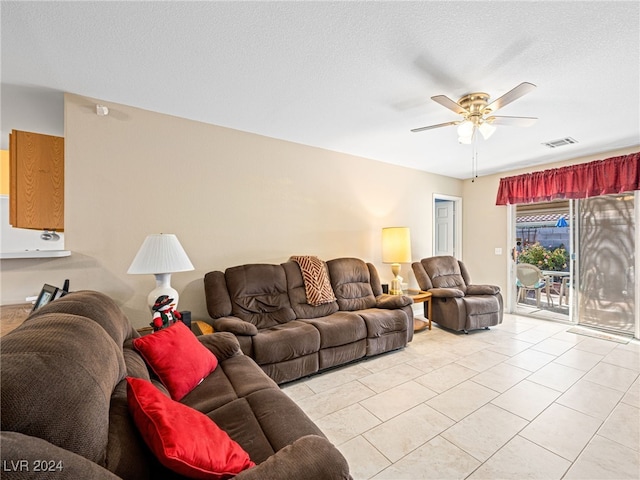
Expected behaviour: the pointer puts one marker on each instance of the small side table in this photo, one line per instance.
(12, 316)
(197, 327)
(421, 296)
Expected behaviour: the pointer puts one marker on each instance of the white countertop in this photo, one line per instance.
(35, 254)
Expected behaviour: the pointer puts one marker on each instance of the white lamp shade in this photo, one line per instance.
(160, 253)
(396, 245)
(465, 129)
(486, 129)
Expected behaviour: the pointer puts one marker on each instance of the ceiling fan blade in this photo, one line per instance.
(513, 121)
(510, 96)
(450, 104)
(421, 129)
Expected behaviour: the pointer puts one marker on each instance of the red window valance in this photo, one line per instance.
(601, 177)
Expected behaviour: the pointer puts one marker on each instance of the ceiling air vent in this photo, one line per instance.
(560, 143)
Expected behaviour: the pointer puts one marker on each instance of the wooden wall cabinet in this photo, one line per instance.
(36, 190)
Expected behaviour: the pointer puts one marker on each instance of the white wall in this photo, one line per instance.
(21, 239)
(32, 109)
(231, 197)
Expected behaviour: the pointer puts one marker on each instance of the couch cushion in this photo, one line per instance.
(380, 321)
(60, 357)
(214, 391)
(298, 296)
(339, 328)
(285, 342)
(288, 370)
(245, 377)
(481, 304)
(444, 272)
(342, 354)
(175, 434)
(234, 378)
(386, 343)
(270, 407)
(351, 283)
(255, 422)
(237, 418)
(483, 289)
(177, 357)
(259, 294)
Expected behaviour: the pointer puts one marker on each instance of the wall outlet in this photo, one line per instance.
(498, 251)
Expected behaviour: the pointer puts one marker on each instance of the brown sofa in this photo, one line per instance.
(457, 303)
(64, 400)
(266, 307)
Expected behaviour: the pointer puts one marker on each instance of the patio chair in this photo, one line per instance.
(530, 278)
(564, 290)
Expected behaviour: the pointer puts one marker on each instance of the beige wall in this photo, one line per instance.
(231, 198)
(485, 224)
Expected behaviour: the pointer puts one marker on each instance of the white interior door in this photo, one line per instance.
(444, 227)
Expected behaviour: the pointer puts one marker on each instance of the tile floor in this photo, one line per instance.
(525, 399)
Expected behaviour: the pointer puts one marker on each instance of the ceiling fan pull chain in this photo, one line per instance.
(474, 156)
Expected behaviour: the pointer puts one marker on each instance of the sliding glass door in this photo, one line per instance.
(543, 238)
(606, 261)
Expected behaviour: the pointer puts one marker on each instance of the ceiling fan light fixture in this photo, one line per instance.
(465, 129)
(486, 129)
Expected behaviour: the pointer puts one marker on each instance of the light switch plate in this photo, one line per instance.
(498, 251)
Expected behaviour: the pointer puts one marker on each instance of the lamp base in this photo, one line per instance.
(396, 286)
(163, 287)
(396, 283)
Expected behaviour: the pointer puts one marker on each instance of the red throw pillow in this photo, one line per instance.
(177, 357)
(183, 439)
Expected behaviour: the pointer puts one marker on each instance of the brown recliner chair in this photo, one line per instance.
(457, 303)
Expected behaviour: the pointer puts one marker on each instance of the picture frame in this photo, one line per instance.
(60, 293)
(47, 294)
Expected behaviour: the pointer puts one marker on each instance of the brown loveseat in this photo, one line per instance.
(457, 303)
(64, 402)
(266, 307)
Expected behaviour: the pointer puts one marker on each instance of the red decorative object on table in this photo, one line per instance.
(163, 313)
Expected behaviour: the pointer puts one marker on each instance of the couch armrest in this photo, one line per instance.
(234, 325)
(446, 293)
(21, 454)
(310, 457)
(393, 301)
(482, 289)
(223, 344)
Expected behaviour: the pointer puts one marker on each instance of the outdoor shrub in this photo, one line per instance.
(544, 258)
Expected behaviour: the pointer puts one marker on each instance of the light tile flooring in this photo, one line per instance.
(525, 399)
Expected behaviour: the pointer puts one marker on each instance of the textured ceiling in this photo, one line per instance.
(353, 77)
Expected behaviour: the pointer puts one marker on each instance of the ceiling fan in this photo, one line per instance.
(477, 113)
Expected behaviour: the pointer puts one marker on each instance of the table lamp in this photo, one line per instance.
(396, 249)
(161, 255)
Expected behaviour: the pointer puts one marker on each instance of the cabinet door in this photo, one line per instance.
(36, 194)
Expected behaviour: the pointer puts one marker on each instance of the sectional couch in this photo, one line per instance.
(266, 307)
(83, 396)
